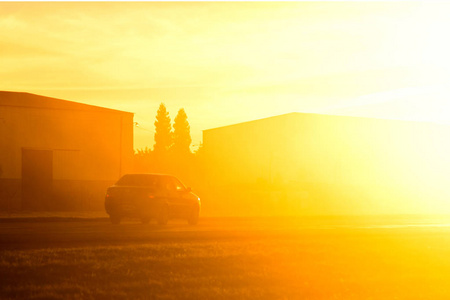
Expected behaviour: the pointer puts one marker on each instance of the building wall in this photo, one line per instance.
(320, 164)
(90, 149)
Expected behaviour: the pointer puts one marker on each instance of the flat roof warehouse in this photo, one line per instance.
(21, 99)
(58, 154)
(327, 164)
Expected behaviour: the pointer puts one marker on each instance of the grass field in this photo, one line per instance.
(223, 259)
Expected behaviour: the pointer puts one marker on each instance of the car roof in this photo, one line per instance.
(148, 174)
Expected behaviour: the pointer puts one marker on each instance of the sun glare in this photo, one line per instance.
(231, 63)
(225, 150)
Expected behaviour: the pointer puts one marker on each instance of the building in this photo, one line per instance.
(58, 154)
(301, 163)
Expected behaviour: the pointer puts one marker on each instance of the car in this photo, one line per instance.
(151, 196)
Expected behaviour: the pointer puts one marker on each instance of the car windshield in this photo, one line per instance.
(172, 184)
(139, 180)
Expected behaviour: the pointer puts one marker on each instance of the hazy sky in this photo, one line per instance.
(231, 62)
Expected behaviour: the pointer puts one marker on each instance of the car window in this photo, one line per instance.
(152, 181)
(172, 184)
(138, 180)
(167, 184)
(178, 185)
(155, 181)
(126, 180)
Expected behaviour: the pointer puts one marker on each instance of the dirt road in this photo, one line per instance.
(42, 233)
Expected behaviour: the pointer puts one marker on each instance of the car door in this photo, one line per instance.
(180, 202)
(169, 192)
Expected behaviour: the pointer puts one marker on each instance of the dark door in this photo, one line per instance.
(174, 196)
(181, 202)
(37, 179)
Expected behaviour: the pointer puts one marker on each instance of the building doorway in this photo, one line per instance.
(37, 179)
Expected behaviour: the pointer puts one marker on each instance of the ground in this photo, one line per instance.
(226, 258)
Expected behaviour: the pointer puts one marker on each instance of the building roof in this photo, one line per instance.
(288, 115)
(20, 99)
(296, 116)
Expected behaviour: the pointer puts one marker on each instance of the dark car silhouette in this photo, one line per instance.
(151, 196)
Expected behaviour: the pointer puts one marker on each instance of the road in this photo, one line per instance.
(54, 232)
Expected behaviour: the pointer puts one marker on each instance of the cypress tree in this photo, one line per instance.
(163, 131)
(182, 134)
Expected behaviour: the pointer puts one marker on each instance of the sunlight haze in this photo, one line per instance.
(225, 150)
(232, 62)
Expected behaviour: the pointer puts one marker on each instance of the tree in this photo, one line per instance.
(143, 160)
(163, 131)
(181, 134)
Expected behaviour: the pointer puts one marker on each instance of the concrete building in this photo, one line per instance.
(60, 155)
(302, 163)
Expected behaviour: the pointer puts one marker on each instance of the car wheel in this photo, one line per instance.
(115, 219)
(163, 216)
(193, 217)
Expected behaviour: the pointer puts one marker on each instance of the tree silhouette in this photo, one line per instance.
(181, 134)
(163, 131)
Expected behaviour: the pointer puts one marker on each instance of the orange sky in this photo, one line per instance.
(232, 62)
